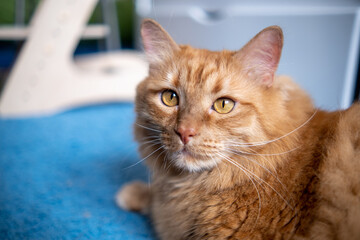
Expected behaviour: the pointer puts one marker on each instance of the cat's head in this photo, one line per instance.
(197, 107)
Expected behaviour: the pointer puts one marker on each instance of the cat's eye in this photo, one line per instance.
(169, 98)
(223, 105)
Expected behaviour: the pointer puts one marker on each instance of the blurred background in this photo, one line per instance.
(18, 13)
(321, 48)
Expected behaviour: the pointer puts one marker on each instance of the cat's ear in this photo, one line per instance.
(261, 55)
(158, 44)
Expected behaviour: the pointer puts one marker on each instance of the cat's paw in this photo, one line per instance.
(134, 196)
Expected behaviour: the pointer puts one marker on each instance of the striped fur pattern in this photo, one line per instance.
(274, 167)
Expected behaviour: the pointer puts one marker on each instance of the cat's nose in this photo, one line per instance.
(185, 133)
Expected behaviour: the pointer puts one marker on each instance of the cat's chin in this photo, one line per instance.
(192, 162)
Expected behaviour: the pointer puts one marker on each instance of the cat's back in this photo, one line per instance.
(338, 213)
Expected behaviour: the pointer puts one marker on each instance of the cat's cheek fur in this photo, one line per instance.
(191, 164)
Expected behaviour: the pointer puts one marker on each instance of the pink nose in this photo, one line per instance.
(185, 133)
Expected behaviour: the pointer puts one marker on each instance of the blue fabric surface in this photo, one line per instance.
(59, 175)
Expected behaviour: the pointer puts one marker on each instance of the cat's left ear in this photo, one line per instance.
(261, 55)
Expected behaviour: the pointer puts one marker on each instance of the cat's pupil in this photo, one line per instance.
(223, 103)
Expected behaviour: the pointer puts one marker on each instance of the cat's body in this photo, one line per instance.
(271, 167)
(321, 200)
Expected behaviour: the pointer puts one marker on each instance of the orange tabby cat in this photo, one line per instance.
(237, 153)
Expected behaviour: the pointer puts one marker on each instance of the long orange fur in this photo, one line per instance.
(275, 167)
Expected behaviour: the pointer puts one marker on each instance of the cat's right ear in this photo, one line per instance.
(261, 55)
(158, 44)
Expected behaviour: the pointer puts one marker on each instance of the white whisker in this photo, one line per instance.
(148, 128)
(261, 143)
(150, 141)
(246, 172)
(263, 154)
(251, 160)
(272, 174)
(150, 137)
(157, 158)
(143, 159)
(254, 153)
(272, 188)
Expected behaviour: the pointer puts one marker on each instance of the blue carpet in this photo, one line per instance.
(59, 175)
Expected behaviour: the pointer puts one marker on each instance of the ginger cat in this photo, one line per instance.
(237, 152)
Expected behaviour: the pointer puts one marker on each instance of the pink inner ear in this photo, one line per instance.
(146, 39)
(158, 45)
(148, 34)
(262, 55)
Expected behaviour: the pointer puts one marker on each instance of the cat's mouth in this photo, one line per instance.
(190, 155)
(189, 159)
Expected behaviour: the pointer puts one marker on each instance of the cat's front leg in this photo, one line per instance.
(134, 196)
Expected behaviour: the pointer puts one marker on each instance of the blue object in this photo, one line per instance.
(59, 175)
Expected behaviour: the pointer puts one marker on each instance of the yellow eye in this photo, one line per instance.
(169, 98)
(224, 105)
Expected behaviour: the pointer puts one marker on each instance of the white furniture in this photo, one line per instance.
(321, 47)
(46, 79)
